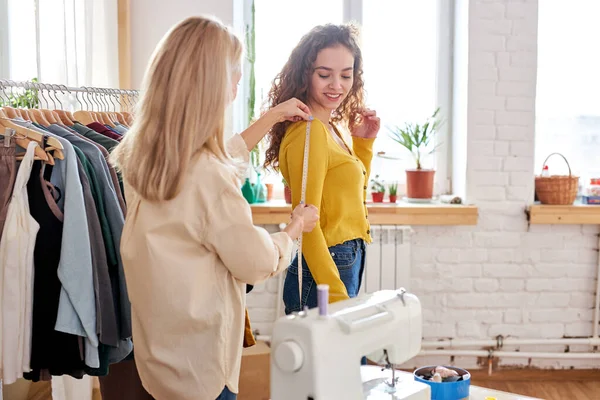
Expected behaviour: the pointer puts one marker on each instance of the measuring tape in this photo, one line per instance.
(303, 201)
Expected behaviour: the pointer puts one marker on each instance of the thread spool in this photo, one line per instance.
(323, 299)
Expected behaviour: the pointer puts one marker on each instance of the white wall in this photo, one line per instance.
(151, 19)
(501, 276)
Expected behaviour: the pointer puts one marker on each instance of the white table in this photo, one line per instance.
(475, 392)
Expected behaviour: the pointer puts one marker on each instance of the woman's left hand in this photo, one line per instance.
(369, 126)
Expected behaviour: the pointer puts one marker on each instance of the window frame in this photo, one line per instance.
(353, 11)
(4, 41)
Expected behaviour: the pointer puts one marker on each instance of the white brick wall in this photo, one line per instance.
(500, 277)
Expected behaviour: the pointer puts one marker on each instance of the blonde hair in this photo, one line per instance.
(186, 90)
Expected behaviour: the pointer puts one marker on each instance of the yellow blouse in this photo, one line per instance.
(337, 184)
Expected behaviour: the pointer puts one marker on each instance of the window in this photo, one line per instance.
(405, 74)
(567, 105)
(70, 42)
(278, 32)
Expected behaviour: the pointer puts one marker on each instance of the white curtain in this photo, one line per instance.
(70, 42)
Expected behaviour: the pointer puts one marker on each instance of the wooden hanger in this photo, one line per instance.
(25, 114)
(107, 120)
(47, 114)
(62, 117)
(23, 142)
(38, 117)
(85, 117)
(128, 118)
(101, 115)
(52, 143)
(12, 112)
(65, 117)
(57, 118)
(121, 119)
(51, 117)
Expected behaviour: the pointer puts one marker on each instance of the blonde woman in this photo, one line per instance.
(189, 246)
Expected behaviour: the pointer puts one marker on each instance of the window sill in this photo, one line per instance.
(577, 214)
(277, 212)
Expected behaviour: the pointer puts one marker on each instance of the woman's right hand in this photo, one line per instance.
(304, 219)
(291, 110)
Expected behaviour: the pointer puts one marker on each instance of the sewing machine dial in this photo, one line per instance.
(289, 356)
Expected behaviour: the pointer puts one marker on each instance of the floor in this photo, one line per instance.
(544, 384)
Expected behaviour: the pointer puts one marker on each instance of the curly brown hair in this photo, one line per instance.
(295, 77)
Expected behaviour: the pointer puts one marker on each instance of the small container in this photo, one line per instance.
(458, 390)
(545, 171)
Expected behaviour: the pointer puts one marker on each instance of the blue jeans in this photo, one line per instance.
(227, 395)
(349, 257)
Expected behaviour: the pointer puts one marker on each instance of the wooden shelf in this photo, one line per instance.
(402, 213)
(577, 214)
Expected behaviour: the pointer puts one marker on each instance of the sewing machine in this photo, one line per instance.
(315, 354)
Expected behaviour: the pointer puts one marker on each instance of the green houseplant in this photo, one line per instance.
(393, 191)
(28, 99)
(377, 189)
(259, 188)
(418, 140)
(251, 57)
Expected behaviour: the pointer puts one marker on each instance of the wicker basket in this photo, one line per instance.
(557, 189)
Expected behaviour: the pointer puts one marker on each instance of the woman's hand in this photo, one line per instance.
(309, 215)
(369, 125)
(291, 110)
(304, 219)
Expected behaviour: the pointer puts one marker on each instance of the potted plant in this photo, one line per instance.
(418, 140)
(392, 190)
(287, 192)
(377, 189)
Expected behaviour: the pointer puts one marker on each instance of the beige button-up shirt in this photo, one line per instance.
(186, 263)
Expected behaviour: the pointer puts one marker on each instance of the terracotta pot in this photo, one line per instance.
(393, 198)
(377, 197)
(269, 191)
(287, 192)
(419, 183)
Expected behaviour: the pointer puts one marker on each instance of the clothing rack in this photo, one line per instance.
(95, 95)
(6, 83)
(74, 129)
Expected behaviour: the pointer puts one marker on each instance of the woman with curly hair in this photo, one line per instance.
(325, 72)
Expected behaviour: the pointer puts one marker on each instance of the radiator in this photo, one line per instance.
(387, 264)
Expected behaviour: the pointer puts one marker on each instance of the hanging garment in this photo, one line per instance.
(105, 131)
(8, 173)
(106, 145)
(93, 152)
(77, 308)
(114, 214)
(67, 388)
(120, 129)
(16, 276)
(106, 319)
(58, 352)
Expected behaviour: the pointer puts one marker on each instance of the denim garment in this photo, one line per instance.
(350, 260)
(227, 395)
